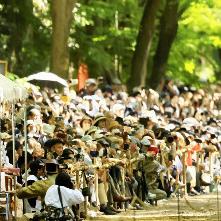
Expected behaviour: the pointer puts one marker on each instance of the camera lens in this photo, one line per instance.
(126, 146)
(170, 139)
(63, 166)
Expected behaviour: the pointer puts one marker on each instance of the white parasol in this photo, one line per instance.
(190, 121)
(47, 76)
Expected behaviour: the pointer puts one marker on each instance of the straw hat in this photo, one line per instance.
(114, 125)
(91, 130)
(98, 118)
(85, 118)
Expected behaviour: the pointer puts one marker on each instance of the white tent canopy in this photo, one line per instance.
(10, 91)
(47, 76)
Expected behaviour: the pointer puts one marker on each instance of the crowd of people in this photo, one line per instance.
(109, 147)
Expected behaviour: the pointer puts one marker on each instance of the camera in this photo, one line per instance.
(94, 153)
(58, 119)
(126, 146)
(170, 139)
(79, 156)
(63, 166)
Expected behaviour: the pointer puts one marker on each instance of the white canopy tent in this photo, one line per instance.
(10, 91)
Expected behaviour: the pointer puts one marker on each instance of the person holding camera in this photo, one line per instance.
(37, 172)
(54, 148)
(40, 187)
(152, 168)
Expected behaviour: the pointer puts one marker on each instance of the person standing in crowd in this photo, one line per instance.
(9, 152)
(152, 168)
(37, 172)
(54, 148)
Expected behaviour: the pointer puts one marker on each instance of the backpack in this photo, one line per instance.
(55, 214)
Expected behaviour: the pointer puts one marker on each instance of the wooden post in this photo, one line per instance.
(14, 160)
(129, 165)
(86, 197)
(202, 157)
(164, 164)
(77, 179)
(211, 170)
(26, 145)
(96, 182)
(184, 171)
(78, 186)
(123, 206)
(210, 164)
(197, 161)
(105, 180)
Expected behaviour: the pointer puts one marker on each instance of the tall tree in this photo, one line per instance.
(106, 32)
(168, 31)
(61, 23)
(143, 44)
(16, 18)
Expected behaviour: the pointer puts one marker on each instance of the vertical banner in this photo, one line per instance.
(82, 75)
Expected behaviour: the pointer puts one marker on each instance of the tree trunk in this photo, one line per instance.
(144, 38)
(168, 31)
(61, 23)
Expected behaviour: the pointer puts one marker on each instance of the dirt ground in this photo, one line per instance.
(202, 207)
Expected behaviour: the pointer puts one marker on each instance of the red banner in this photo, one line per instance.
(82, 76)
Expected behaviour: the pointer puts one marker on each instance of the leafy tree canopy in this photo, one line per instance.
(195, 54)
(103, 30)
(103, 35)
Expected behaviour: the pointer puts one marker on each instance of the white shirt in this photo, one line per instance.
(69, 197)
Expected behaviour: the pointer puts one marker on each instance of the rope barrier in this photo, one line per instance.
(202, 209)
(73, 167)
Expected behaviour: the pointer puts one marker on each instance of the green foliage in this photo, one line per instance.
(192, 57)
(25, 39)
(12, 76)
(103, 30)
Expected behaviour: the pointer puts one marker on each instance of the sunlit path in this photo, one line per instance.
(203, 207)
